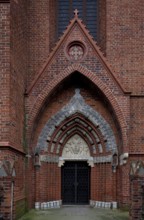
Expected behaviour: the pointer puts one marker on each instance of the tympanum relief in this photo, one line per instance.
(76, 148)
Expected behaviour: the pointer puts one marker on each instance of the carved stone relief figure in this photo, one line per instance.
(76, 147)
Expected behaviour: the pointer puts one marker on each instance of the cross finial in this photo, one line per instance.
(76, 12)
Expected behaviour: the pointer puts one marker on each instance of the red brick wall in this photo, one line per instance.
(38, 35)
(48, 182)
(137, 197)
(32, 36)
(13, 76)
(19, 72)
(4, 71)
(60, 67)
(52, 23)
(103, 183)
(42, 32)
(124, 49)
(137, 125)
(20, 66)
(124, 42)
(18, 162)
(41, 105)
(6, 205)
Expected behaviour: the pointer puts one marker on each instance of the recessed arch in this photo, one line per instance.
(94, 121)
(50, 88)
(77, 123)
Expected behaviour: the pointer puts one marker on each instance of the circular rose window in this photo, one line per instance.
(76, 51)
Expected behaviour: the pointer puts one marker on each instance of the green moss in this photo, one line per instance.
(124, 208)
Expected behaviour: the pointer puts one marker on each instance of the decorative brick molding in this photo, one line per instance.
(76, 105)
(73, 22)
(49, 89)
(46, 80)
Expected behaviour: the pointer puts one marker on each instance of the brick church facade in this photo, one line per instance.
(72, 101)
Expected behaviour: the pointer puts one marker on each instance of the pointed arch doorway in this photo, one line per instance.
(76, 172)
(75, 183)
(78, 134)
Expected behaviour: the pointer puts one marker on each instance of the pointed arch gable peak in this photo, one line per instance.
(93, 43)
(48, 90)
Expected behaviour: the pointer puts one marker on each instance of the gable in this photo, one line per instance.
(76, 35)
(89, 61)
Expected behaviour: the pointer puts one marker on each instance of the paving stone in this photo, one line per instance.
(76, 213)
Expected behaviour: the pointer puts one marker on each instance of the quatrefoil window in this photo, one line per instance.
(76, 51)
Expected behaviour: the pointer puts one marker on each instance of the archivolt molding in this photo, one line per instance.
(42, 97)
(76, 149)
(76, 105)
(77, 124)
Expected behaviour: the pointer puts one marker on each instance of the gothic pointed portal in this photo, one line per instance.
(77, 119)
(76, 51)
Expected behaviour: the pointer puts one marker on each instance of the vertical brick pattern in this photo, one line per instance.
(137, 197)
(137, 125)
(52, 23)
(103, 185)
(4, 71)
(5, 207)
(18, 71)
(12, 83)
(49, 183)
(125, 31)
(18, 180)
(38, 35)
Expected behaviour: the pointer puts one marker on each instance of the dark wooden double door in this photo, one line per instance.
(75, 183)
